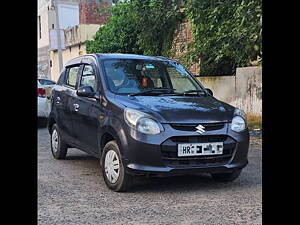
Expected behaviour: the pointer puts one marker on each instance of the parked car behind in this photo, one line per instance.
(44, 87)
(143, 115)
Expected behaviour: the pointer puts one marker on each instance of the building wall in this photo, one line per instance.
(43, 69)
(67, 55)
(48, 21)
(44, 39)
(182, 37)
(74, 42)
(243, 90)
(249, 89)
(88, 15)
(68, 15)
(80, 33)
(75, 38)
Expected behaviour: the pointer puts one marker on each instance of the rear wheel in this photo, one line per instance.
(226, 177)
(58, 146)
(113, 170)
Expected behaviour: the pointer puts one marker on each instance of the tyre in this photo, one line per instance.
(58, 146)
(113, 170)
(226, 177)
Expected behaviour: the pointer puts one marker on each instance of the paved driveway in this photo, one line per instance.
(72, 191)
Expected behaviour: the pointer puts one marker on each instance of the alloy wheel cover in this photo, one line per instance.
(54, 141)
(112, 166)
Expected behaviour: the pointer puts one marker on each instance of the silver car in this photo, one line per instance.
(44, 87)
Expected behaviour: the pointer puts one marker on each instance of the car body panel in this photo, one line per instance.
(187, 109)
(62, 101)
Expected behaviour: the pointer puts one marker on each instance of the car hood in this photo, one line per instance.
(181, 109)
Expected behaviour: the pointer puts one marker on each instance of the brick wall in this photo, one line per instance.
(87, 13)
(182, 37)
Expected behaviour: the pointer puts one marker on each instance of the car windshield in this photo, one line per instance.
(134, 76)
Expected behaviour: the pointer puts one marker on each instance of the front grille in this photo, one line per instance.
(169, 151)
(192, 127)
(198, 139)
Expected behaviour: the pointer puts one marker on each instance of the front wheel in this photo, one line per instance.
(58, 146)
(226, 177)
(113, 170)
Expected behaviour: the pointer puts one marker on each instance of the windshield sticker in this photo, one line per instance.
(149, 66)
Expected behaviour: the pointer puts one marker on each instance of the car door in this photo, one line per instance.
(63, 98)
(86, 110)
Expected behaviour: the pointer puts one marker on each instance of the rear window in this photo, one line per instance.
(46, 82)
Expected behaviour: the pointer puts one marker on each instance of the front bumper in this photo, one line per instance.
(135, 169)
(157, 154)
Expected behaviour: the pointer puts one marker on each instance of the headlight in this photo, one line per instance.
(238, 123)
(142, 122)
(147, 126)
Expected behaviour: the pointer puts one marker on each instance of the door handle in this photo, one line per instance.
(76, 107)
(58, 100)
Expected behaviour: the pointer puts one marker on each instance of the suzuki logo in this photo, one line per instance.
(200, 129)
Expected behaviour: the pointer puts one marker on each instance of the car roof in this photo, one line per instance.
(103, 56)
(128, 56)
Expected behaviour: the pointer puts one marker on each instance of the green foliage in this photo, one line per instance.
(227, 34)
(118, 35)
(158, 20)
(138, 26)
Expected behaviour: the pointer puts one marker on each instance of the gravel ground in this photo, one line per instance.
(72, 191)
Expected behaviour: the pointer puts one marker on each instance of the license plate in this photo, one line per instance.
(196, 149)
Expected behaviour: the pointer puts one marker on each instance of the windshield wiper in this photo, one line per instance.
(194, 91)
(152, 90)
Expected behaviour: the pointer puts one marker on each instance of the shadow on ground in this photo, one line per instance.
(81, 157)
(182, 183)
(142, 184)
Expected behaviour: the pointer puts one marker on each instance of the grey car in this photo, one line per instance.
(145, 116)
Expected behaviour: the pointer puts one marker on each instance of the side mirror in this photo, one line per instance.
(86, 91)
(209, 91)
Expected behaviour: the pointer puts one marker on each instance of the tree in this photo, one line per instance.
(227, 34)
(138, 26)
(119, 34)
(158, 20)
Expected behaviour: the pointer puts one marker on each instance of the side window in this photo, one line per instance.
(72, 76)
(88, 77)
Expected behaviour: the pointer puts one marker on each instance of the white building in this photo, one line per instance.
(68, 11)
(74, 42)
(78, 22)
